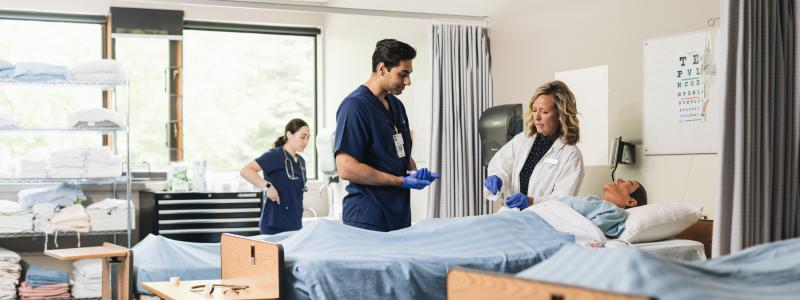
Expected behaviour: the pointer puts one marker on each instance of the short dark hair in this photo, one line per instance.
(640, 195)
(390, 52)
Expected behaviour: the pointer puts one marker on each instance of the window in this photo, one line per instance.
(240, 90)
(60, 43)
(147, 61)
(240, 85)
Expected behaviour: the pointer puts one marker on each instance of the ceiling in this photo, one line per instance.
(479, 8)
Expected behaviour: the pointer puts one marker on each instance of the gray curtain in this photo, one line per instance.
(761, 143)
(462, 90)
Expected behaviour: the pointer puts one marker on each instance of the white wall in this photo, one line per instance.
(532, 40)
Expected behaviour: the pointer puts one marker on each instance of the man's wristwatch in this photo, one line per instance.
(268, 185)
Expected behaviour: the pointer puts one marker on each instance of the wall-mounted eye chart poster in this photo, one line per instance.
(690, 100)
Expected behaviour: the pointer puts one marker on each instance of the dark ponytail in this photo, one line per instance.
(293, 126)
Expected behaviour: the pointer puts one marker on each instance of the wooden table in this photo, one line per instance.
(182, 291)
(110, 253)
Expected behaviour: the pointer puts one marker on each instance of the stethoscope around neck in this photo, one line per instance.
(288, 165)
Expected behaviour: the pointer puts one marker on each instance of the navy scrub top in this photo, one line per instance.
(364, 130)
(288, 215)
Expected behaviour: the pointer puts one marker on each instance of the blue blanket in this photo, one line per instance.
(327, 260)
(770, 271)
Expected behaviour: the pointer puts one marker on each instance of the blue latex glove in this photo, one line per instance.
(424, 174)
(518, 200)
(493, 184)
(410, 182)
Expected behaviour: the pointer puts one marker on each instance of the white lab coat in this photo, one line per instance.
(558, 173)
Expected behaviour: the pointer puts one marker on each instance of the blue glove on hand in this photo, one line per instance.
(410, 182)
(493, 184)
(518, 200)
(424, 174)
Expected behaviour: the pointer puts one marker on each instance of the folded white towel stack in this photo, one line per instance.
(72, 218)
(94, 117)
(15, 218)
(84, 162)
(87, 278)
(98, 70)
(31, 167)
(42, 213)
(9, 273)
(110, 214)
(8, 120)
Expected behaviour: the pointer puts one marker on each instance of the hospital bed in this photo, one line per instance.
(769, 271)
(334, 261)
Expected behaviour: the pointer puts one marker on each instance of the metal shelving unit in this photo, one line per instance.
(107, 85)
(109, 180)
(103, 85)
(76, 130)
(38, 233)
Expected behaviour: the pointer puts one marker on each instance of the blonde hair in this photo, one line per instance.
(569, 129)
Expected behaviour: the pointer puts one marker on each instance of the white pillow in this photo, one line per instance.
(658, 221)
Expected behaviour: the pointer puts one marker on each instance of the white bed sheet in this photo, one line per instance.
(687, 250)
(565, 219)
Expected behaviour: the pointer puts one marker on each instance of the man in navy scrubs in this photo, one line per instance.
(373, 144)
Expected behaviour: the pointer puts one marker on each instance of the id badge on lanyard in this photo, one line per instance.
(398, 144)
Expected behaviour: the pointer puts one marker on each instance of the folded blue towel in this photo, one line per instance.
(38, 78)
(40, 72)
(4, 65)
(37, 276)
(6, 69)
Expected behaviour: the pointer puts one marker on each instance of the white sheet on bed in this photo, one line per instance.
(686, 250)
(565, 219)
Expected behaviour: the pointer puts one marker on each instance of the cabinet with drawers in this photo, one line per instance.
(203, 217)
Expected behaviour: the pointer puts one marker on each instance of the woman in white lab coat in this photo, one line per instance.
(542, 163)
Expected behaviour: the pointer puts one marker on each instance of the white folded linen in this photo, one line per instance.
(110, 214)
(95, 117)
(97, 66)
(41, 217)
(8, 120)
(12, 208)
(103, 77)
(61, 194)
(88, 268)
(9, 256)
(31, 168)
(87, 278)
(71, 218)
(18, 223)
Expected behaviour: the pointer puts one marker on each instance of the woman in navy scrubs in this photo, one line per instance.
(284, 179)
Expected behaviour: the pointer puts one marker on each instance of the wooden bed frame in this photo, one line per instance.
(700, 231)
(463, 284)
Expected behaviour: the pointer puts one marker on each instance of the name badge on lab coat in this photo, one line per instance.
(551, 161)
(398, 145)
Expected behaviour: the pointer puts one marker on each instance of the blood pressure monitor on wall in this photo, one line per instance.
(621, 153)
